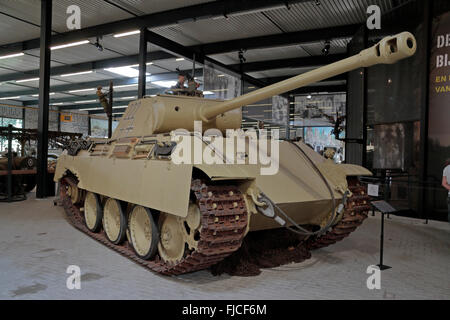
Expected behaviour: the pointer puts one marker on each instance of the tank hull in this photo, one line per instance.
(165, 186)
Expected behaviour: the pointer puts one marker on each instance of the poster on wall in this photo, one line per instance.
(280, 110)
(389, 146)
(218, 84)
(11, 112)
(319, 110)
(439, 103)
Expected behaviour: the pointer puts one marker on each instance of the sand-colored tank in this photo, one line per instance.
(170, 193)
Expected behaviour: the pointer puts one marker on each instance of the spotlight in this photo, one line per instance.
(98, 45)
(241, 56)
(317, 2)
(326, 48)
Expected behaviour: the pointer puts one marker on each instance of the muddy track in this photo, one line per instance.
(223, 226)
(356, 211)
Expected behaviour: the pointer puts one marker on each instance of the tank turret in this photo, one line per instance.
(174, 112)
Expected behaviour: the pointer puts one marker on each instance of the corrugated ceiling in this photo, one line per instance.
(301, 16)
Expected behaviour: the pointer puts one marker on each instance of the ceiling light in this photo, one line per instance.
(37, 95)
(326, 48)
(126, 85)
(85, 109)
(179, 59)
(221, 75)
(165, 84)
(12, 55)
(207, 93)
(10, 98)
(81, 90)
(116, 107)
(85, 101)
(72, 44)
(76, 73)
(124, 71)
(127, 98)
(57, 103)
(129, 33)
(149, 63)
(26, 80)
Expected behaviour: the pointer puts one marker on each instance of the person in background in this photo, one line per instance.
(181, 81)
(446, 185)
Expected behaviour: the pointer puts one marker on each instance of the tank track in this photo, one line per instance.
(355, 213)
(223, 220)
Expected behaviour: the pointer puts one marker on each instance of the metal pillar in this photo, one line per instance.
(365, 103)
(424, 202)
(142, 61)
(10, 162)
(110, 107)
(44, 89)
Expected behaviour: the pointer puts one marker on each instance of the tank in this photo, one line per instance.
(145, 195)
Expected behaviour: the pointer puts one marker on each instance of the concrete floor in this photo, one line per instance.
(37, 245)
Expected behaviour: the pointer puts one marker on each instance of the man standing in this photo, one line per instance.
(181, 81)
(446, 184)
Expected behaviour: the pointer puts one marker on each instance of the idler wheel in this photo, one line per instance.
(143, 232)
(93, 212)
(75, 194)
(114, 221)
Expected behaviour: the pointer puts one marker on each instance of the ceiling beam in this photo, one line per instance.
(189, 53)
(175, 16)
(86, 66)
(117, 95)
(93, 84)
(279, 40)
(272, 80)
(101, 111)
(313, 61)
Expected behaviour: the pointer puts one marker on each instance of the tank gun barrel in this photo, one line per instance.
(388, 51)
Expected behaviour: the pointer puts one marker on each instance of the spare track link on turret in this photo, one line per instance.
(224, 223)
(357, 209)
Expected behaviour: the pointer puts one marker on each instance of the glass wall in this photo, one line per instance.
(4, 122)
(99, 127)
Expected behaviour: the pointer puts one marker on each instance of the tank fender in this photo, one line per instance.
(226, 172)
(355, 170)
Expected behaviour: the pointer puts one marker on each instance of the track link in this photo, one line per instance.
(355, 213)
(223, 226)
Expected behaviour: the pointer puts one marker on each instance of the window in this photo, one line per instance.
(4, 122)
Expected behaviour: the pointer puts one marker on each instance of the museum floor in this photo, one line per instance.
(37, 245)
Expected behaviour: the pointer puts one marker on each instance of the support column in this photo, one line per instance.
(44, 89)
(142, 62)
(424, 201)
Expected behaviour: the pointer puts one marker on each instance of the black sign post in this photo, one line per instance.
(384, 208)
